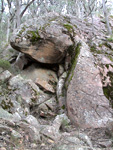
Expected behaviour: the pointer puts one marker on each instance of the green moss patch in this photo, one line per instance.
(21, 31)
(106, 92)
(68, 27)
(53, 19)
(75, 55)
(46, 25)
(5, 101)
(100, 45)
(34, 35)
(110, 57)
(70, 50)
(110, 39)
(6, 104)
(94, 50)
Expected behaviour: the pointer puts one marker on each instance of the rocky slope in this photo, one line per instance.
(58, 92)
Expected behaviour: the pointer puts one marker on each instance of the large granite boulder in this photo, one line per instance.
(45, 39)
(86, 104)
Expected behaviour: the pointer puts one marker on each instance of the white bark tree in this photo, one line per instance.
(106, 18)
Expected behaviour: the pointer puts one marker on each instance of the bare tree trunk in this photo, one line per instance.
(8, 30)
(22, 13)
(1, 26)
(92, 23)
(90, 11)
(18, 13)
(106, 17)
(2, 10)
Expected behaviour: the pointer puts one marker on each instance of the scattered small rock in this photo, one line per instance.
(4, 76)
(16, 135)
(32, 121)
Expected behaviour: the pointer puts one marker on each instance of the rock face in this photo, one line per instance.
(34, 103)
(43, 39)
(86, 104)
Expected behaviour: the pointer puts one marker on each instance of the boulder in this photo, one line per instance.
(44, 78)
(43, 39)
(86, 104)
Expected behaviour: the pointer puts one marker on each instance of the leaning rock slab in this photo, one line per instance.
(86, 104)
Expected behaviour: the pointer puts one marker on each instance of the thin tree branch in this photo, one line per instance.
(22, 13)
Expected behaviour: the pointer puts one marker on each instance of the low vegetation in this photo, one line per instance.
(5, 64)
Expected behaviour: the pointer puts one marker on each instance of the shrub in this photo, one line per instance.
(5, 64)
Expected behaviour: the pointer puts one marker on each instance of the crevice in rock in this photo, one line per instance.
(108, 90)
(74, 53)
(29, 63)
